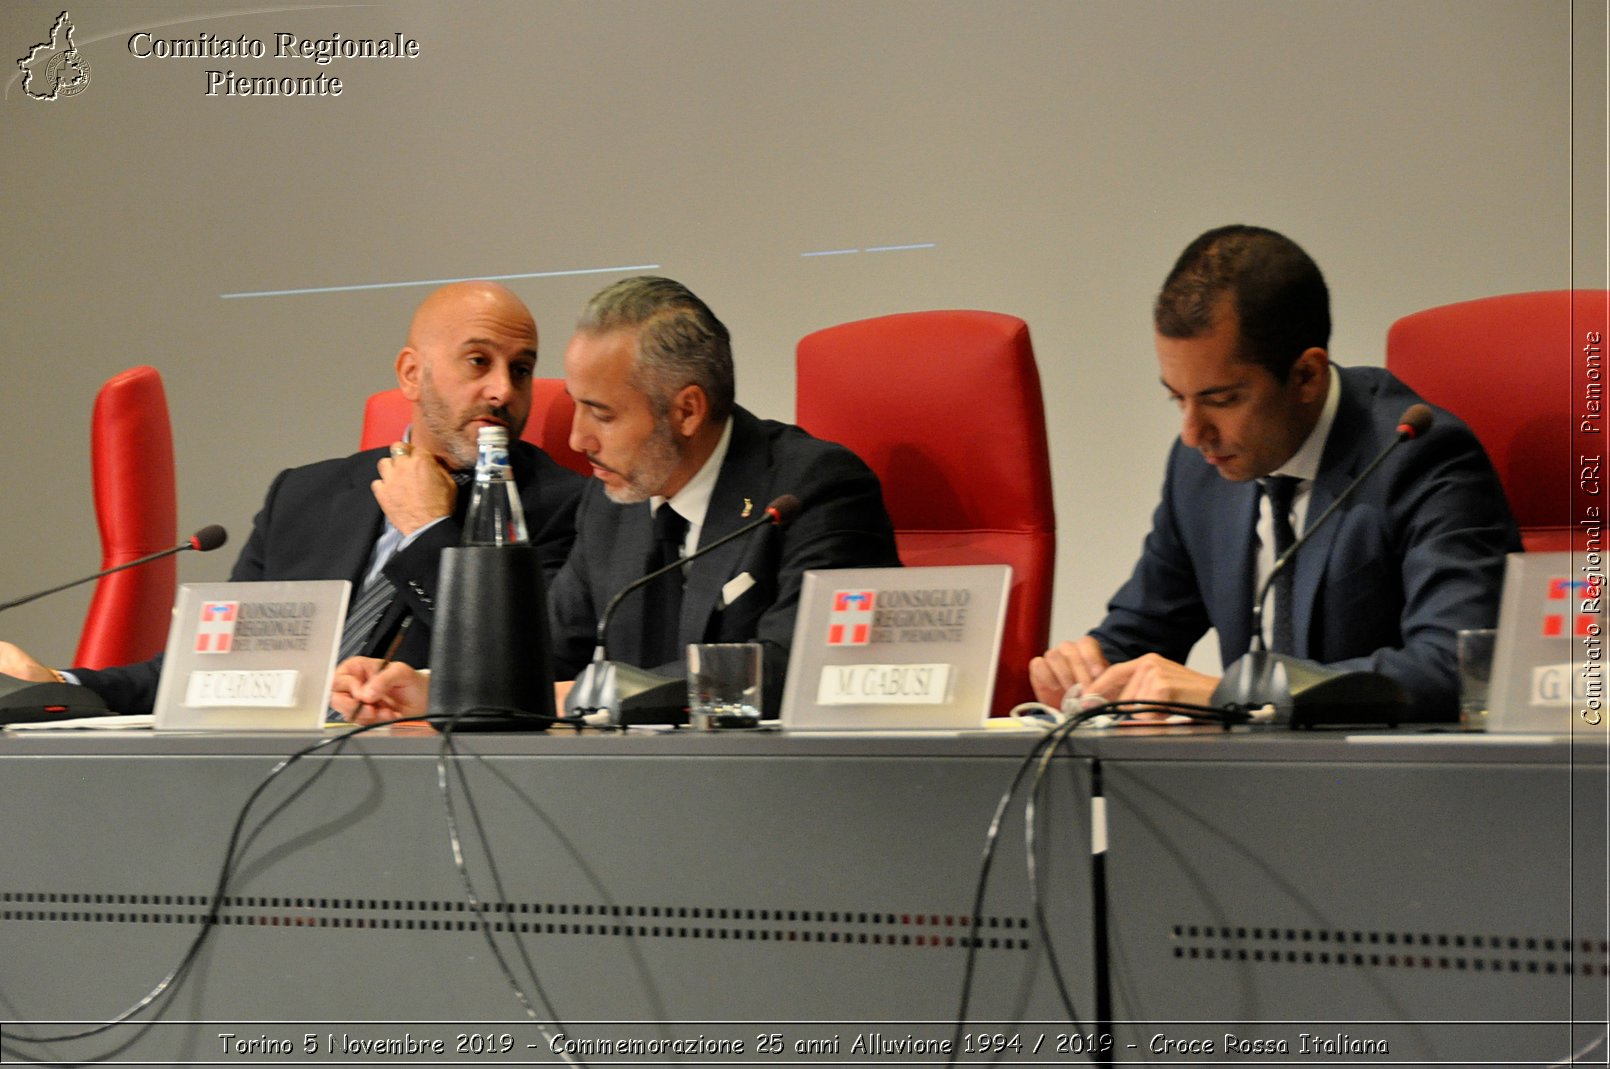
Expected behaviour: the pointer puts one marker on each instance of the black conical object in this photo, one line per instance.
(489, 654)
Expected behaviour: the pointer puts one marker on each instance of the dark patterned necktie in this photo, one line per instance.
(357, 634)
(1280, 490)
(662, 609)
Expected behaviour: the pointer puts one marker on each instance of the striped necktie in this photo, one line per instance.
(374, 599)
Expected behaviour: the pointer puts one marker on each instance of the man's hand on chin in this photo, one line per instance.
(413, 489)
(370, 691)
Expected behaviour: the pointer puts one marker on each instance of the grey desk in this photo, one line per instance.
(756, 879)
(1397, 892)
(1384, 897)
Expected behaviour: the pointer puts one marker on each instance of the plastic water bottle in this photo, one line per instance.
(495, 517)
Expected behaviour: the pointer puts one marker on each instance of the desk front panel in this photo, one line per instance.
(1379, 897)
(655, 880)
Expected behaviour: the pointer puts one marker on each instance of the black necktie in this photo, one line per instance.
(1280, 489)
(662, 608)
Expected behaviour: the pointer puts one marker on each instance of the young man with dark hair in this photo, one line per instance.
(1242, 327)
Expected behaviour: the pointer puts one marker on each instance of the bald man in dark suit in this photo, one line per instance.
(381, 518)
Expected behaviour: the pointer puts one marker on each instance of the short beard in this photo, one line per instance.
(654, 465)
(462, 449)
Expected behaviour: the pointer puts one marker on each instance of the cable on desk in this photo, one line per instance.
(1030, 849)
(991, 838)
(472, 896)
(236, 847)
(233, 851)
(1042, 752)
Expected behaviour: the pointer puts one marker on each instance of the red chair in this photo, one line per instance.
(946, 408)
(136, 506)
(1516, 369)
(388, 412)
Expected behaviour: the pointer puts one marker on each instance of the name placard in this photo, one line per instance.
(1555, 685)
(251, 656)
(884, 684)
(241, 689)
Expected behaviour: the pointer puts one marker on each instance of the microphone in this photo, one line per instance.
(21, 700)
(205, 540)
(1305, 694)
(623, 689)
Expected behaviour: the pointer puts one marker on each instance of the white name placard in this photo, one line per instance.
(273, 689)
(1555, 685)
(884, 684)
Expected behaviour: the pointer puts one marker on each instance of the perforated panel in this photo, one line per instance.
(585, 919)
(1530, 954)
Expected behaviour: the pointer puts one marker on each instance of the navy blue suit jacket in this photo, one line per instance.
(842, 524)
(1414, 556)
(320, 521)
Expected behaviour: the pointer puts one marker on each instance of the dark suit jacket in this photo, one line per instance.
(1414, 556)
(320, 521)
(842, 524)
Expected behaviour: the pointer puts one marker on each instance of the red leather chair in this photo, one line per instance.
(388, 412)
(1514, 367)
(136, 506)
(946, 408)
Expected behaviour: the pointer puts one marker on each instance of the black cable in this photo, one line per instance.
(1043, 750)
(1228, 715)
(225, 873)
(1030, 816)
(455, 840)
(235, 849)
(986, 862)
(499, 712)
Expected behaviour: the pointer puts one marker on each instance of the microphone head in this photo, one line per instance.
(1415, 421)
(208, 538)
(783, 509)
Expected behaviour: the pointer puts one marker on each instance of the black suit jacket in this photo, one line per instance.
(1415, 555)
(842, 524)
(320, 521)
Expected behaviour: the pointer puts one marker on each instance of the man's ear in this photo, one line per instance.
(410, 365)
(690, 411)
(1310, 375)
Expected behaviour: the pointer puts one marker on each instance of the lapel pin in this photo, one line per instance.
(749, 506)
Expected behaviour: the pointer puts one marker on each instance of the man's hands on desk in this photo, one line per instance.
(1148, 678)
(368, 690)
(15, 661)
(371, 691)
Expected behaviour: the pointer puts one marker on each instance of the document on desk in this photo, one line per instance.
(89, 723)
(1463, 738)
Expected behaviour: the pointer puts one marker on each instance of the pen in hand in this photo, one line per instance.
(396, 642)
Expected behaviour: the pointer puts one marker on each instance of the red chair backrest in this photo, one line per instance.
(945, 407)
(1517, 369)
(388, 412)
(136, 506)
